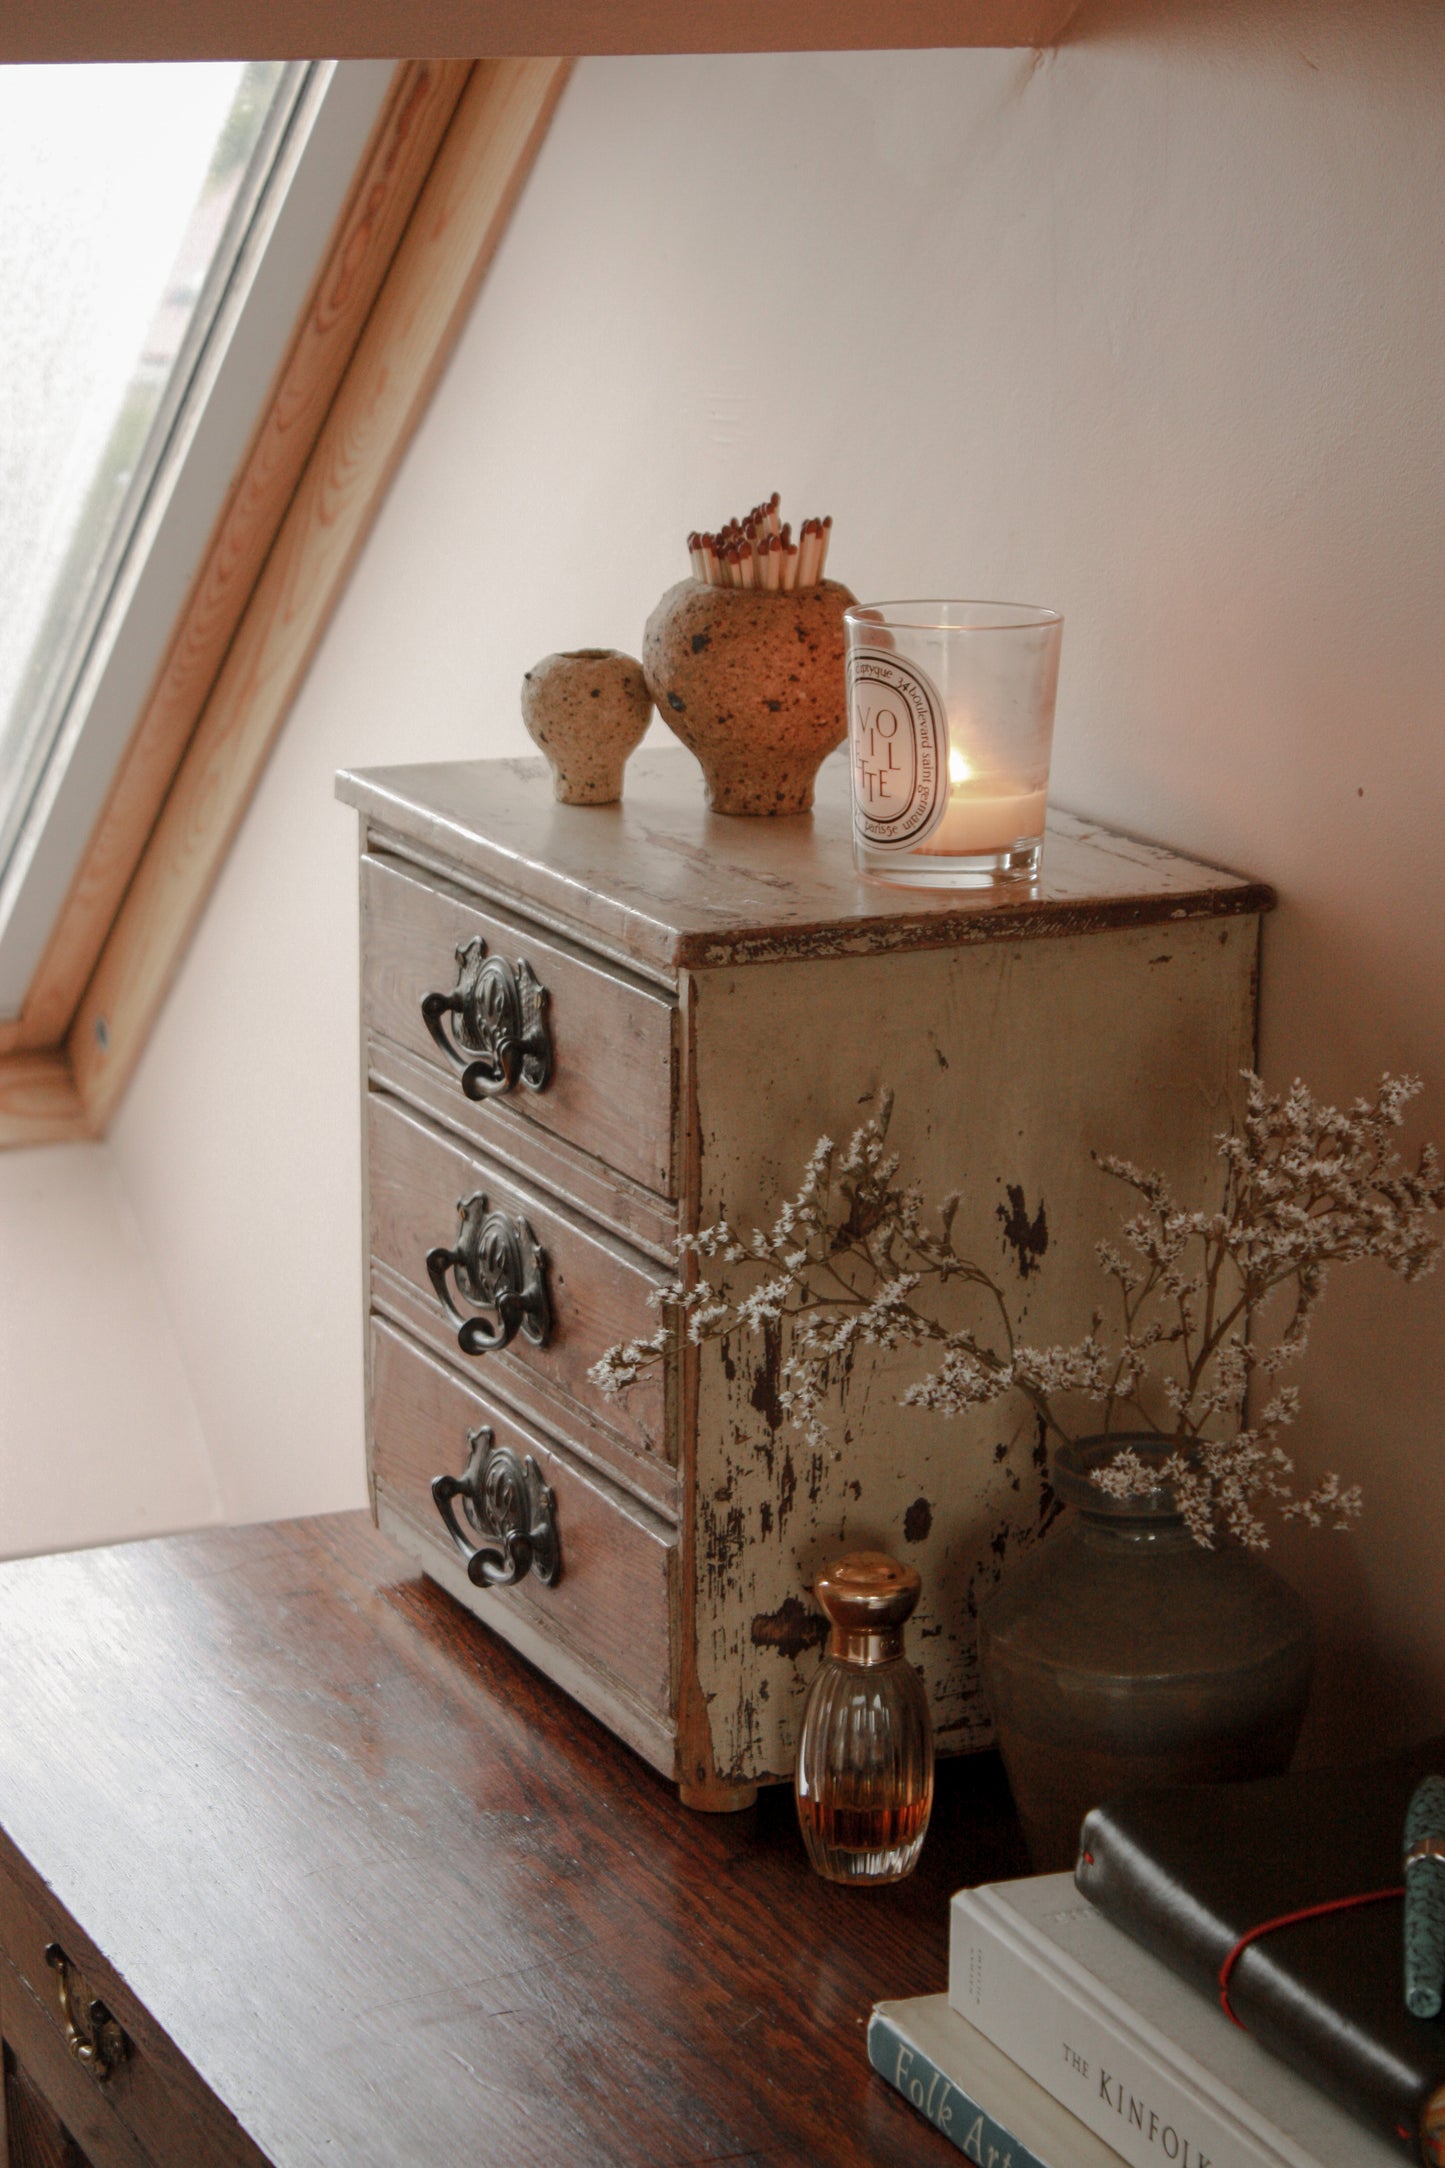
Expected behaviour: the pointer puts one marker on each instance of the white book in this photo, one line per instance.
(1139, 2056)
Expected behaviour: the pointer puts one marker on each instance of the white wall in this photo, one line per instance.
(1149, 328)
(99, 1435)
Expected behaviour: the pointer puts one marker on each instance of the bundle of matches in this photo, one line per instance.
(759, 551)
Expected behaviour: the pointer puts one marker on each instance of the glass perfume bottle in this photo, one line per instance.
(864, 1779)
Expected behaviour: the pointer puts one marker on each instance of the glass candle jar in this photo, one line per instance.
(951, 724)
(864, 1778)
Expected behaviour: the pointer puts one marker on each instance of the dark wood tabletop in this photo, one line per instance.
(398, 1900)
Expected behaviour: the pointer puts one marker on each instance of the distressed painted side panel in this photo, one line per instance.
(1009, 1061)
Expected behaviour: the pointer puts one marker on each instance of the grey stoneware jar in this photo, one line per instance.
(1120, 1653)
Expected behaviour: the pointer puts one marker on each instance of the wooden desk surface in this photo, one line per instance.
(398, 1900)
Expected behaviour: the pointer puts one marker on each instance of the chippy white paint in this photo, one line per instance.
(1009, 1061)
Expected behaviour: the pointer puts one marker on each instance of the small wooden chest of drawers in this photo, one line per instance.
(588, 1029)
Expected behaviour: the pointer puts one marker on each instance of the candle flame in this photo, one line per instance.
(959, 770)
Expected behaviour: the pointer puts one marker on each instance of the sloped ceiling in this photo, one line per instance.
(344, 29)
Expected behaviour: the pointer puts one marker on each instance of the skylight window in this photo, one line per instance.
(159, 228)
(119, 194)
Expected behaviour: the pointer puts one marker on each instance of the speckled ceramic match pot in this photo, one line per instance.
(587, 710)
(752, 682)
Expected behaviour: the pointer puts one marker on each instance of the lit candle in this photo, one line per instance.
(984, 813)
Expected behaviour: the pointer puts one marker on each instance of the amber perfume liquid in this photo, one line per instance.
(867, 1843)
(864, 1779)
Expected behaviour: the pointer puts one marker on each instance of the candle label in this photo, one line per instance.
(900, 750)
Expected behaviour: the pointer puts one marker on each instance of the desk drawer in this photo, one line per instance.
(54, 2091)
(151, 2106)
(610, 1062)
(429, 1195)
(610, 1605)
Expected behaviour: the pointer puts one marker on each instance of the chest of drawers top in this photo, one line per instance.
(663, 886)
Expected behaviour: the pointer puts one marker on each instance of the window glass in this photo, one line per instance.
(122, 193)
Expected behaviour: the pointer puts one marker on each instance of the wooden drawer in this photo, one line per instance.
(610, 1090)
(597, 1290)
(153, 2106)
(55, 2091)
(603, 1628)
(577, 1182)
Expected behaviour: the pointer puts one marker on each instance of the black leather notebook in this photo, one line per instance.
(1189, 1872)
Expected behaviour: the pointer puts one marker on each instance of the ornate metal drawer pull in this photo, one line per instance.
(498, 1265)
(508, 1505)
(99, 2043)
(500, 1036)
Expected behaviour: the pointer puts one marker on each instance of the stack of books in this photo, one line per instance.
(1084, 2026)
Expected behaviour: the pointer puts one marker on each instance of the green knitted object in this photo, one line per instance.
(1425, 1902)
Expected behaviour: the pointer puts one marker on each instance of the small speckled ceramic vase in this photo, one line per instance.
(587, 710)
(1121, 1654)
(753, 684)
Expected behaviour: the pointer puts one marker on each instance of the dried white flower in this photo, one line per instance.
(850, 1259)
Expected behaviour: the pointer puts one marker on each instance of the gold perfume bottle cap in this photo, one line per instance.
(867, 1596)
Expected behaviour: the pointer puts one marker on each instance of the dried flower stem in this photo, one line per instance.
(853, 1261)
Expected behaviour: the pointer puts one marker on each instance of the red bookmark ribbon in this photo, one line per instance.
(1289, 1919)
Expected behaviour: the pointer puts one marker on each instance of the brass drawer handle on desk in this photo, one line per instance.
(498, 1265)
(509, 1507)
(99, 2045)
(500, 1037)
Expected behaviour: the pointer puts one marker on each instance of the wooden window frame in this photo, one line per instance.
(318, 124)
(430, 202)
